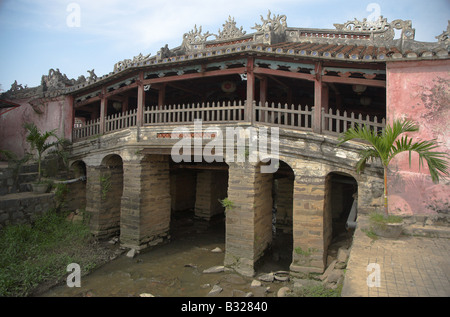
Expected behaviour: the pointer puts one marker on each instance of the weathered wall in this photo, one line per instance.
(54, 114)
(24, 207)
(419, 91)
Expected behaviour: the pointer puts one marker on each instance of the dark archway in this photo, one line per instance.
(77, 189)
(340, 193)
(278, 257)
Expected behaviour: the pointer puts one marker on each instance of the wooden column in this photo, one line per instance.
(125, 104)
(71, 119)
(162, 96)
(103, 110)
(325, 100)
(318, 88)
(262, 95)
(250, 90)
(140, 101)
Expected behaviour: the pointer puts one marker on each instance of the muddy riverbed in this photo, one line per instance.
(176, 269)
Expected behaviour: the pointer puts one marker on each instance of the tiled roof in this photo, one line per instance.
(354, 41)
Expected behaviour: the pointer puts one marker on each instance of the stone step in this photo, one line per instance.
(27, 177)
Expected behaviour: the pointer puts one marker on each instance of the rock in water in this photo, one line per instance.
(215, 290)
(131, 253)
(215, 269)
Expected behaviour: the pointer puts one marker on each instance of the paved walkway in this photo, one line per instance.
(405, 267)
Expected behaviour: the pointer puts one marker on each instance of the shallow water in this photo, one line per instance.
(172, 270)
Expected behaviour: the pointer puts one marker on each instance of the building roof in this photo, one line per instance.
(353, 41)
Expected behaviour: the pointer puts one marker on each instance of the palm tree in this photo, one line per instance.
(37, 140)
(385, 146)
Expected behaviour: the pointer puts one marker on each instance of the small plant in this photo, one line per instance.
(61, 191)
(105, 183)
(38, 142)
(226, 203)
(308, 252)
(387, 144)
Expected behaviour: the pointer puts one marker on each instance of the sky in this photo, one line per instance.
(80, 35)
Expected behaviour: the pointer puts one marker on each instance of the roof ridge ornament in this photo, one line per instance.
(379, 28)
(196, 36)
(230, 30)
(444, 38)
(276, 24)
(365, 25)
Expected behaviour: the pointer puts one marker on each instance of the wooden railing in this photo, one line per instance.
(337, 123)
(121, 121)
(209, 112)
(89, 129)
(285, 116)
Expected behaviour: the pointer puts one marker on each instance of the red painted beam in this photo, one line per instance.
(222, 72)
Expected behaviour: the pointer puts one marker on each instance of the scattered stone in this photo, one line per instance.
(131, 253)
(217, 250)
(328, 270)
(255, 283)
(267, 277)
(215, 269)
(206, 285)
(283, 291)
(215, 290)
(249, 294)
(114, 240)
(342, 255)
(146, 295)
(334, 276)
(191, 265)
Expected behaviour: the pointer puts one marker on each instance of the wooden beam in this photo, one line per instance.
(353, 81)
(213, 73)
(283, 73)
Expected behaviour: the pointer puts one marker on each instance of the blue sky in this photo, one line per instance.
(37, 35)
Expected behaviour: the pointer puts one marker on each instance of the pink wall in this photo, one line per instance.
(419, 91)
(56, 114)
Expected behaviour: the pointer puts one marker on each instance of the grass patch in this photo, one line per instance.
(376, 217)
(318, 291)
(34, 254)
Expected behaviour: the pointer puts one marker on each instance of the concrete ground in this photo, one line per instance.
(415, 265)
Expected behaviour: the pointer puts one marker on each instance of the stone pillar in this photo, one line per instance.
(211, 187)
(103, 193)
(249, 222)
(308, 225)
(145, 216)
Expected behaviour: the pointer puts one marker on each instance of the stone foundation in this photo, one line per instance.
(24, 207)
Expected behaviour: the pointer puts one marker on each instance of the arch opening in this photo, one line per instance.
(341, 191)
(278, 255)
